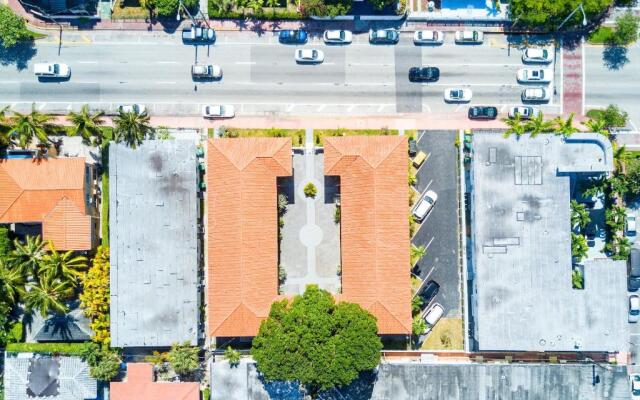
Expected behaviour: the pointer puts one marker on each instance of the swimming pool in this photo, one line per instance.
(19, 154)
(457, 4)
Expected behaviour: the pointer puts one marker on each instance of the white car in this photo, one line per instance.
(337, 37)
(471, 37)
(525, 112)
(309, 56)
(634, 308)
(535, 55)
(432, 316)
(425, 205)
(51, 70)
(206, 71)
(428, 37)
(536, 94)
(218, 111)
(458, 95)
(539, 75)
(635, 386)
(132, 108)
(630, 224)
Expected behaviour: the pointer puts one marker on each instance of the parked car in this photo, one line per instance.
(291, 36)
(413, 148)
(630, 224)
(197, 33)
(384, 36)
(52, 70)
(425, 205)
(424, 74)
(634, 308)
(525, 112)
(537, 55)
(218, 111)
(429, 292)
(633, 269)
(132, 108)
(457, 95)
(206, 71)
(432, 316)
(419, 159)
(337, 37)
(483, 112)
(539, 75)
(469, 37)
(536, 94)
(428, 37)
(309, 56)
(635, 386)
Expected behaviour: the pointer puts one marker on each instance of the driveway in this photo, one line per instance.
(439, 230)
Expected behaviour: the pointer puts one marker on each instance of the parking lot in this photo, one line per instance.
(439, 230)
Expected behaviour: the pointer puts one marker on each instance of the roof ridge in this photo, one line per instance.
(22, 190)
(390, 313)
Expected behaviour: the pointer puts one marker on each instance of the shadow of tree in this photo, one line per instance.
(614, 57)
(19, 55)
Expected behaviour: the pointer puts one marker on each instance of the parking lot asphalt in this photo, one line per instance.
(439, 230)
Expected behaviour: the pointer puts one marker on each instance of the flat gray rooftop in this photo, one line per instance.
(153, 237)
(522, 297)
(439, 382)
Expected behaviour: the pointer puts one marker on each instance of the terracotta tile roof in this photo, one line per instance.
(49, 191)
(242, 231)
(140, 385)
(374, 225)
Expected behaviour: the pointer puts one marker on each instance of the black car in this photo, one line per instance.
(424, 74)
(292, 36)
(429, 292)
(413, 148)
(483, 112)
(633, 268)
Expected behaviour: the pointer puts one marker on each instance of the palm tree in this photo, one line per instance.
(47, 296)
(132, 128)
(565, 127)
(620, 155)
(12, 283)
(62, 266)
(417, 252)
(597, 126)
(537, 125)
(34, 124)
(515, 126)
(5, 127)
(579, 215)
(87, 125)
(28, 256)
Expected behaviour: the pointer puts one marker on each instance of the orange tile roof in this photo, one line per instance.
(242, 231)
(140, 385)
(374, 225)
(49, 191)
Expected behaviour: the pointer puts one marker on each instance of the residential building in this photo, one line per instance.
(154, 245)
(522, 297)
(73, 326)
(51, 197)
(29, 376)
(139, 384)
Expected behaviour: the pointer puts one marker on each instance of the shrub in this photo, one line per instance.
(15, 333)
(169, 8)
(626, 29)
(282, 274)
(233, 356)
(418, 326)
(310, 190)
(104, 364)
(13, 28)
(283, 202)
(337, 215)
(95, 297)
(67, 349)
(576, 279)
(183, 358)
(5, 242)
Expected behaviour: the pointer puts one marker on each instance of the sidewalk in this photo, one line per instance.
(572, 78)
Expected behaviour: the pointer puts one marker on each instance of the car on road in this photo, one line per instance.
(196, 33)
(428, 37)
(536, 94)
(429, 292)
(432, 316)
(635, 386)
(537, 55)
(206, 71)
(293, 36)
(309, 56)
(634, 308)
(483, 112)
(525, 112)
(138, 109)
(457, 95)
(538, 75)
(630, 224)
(384, 36)
(337, 37)
(218, 111)
(425, 205)
(424, 74)
(52, 70)
(469, 37)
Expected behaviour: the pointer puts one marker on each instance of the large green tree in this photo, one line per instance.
(132, 128)
(183, 358)
(550, 14)
(13, 29)
(316, 341)
(66, 266)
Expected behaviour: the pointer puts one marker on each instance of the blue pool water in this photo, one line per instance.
(457, 4)
(19, 154)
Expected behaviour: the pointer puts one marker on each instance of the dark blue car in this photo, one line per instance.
(293, 37)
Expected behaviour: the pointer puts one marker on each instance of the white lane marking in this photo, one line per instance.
(166, 62)
(245, 63)
(165, 83)
(87, 62)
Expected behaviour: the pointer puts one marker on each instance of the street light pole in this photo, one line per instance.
(584, 16)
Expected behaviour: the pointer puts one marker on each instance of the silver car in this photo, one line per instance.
(457, 95)
(470, 37)
(428, 37)
(634, 308)
(309, 56)
(538, 75)
(536, 94)
(534, 55)
(337, 37)
(425, 205)
(525, 112)
(132, 108)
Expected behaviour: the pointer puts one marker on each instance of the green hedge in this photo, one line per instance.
(67, 349)
(276, 14)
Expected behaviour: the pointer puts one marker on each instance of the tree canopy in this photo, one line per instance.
(13, 29)
(316, 341)
(550, 14)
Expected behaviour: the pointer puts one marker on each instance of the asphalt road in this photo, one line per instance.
(611, 77)
(439, 231)
(260, 75)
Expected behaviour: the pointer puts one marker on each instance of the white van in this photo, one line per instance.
(52, 70)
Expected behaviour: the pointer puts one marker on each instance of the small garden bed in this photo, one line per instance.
(129, 9)
(602, 35)
(296, 135)
(320, 134)
(446, 335)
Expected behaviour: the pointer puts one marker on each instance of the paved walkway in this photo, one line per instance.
(572, 78)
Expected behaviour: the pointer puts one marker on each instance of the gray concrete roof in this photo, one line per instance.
(153, 237)
(522, 298)
(438, 382)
